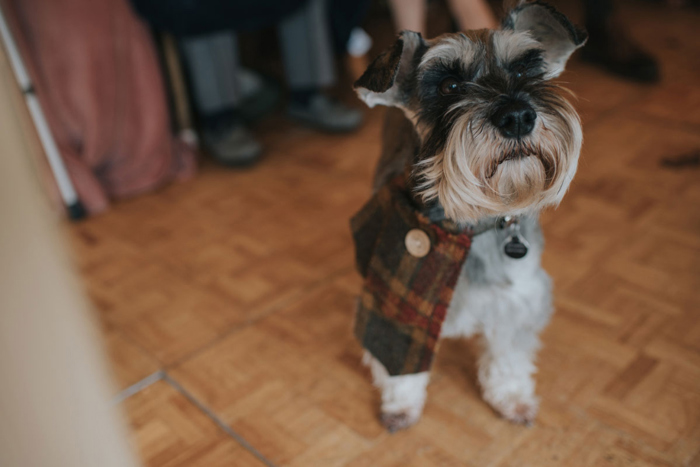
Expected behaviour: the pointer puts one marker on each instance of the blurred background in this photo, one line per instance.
(204, 158)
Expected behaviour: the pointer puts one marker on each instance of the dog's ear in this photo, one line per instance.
(559, 38)
(384, 82)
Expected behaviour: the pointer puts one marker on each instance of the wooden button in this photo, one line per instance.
(417, 243)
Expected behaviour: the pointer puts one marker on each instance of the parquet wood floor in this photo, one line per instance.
(236, 289)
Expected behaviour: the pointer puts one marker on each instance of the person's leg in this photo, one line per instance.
(611, 47)
(473, 14)
(306, 47)
(309, 66)
(213, 63)
(409, 15)
(213, 66)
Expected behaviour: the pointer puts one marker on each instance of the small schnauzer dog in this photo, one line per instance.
(489, 140)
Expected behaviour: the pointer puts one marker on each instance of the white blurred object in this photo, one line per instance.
(55, 396)
(359, 42)
(189, 136)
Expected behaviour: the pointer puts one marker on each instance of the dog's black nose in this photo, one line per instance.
(514, 119)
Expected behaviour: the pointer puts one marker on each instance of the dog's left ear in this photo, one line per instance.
(559, 38)
(385, 82)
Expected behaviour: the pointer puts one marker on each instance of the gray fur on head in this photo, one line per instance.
(471, 159)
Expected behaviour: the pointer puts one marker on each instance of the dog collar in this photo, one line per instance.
(515, 246)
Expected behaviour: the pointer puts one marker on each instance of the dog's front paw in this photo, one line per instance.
(516, 408)
(395, 421)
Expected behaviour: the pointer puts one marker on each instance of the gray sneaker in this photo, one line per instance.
(235, 147)
(326, 114)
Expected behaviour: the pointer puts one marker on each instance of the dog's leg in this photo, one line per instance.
(508, 303)
(403, 396)
(505, 373)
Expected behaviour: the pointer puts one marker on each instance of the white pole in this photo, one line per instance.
(65, 186)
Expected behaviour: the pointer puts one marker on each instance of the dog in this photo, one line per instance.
(488, 141)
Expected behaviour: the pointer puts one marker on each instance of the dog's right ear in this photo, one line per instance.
(384, 82)
(557, 35)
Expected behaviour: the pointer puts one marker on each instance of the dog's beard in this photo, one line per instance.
(479, 173)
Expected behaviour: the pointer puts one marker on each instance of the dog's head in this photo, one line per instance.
(496, 135)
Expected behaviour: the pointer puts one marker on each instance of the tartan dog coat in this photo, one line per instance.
(404, 297)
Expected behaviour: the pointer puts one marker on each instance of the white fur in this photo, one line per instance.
(509, 317)
(403, 397)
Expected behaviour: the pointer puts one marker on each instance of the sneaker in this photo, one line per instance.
(326, 114)
(235, 147)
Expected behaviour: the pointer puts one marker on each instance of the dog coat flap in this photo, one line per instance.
(405, 296)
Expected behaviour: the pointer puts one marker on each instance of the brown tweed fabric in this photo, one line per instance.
(404, 299)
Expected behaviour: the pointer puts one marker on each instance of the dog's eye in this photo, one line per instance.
(520, 71)
(449, 86)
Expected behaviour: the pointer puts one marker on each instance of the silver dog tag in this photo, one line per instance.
(515, 246)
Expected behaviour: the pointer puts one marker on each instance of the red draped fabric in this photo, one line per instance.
(97, 76)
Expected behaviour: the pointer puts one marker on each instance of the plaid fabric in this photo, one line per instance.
(404, 299)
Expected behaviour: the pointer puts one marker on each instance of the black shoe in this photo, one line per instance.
(326, 114)
(235, 147)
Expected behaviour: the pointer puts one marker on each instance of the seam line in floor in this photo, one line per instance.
(223, 426)
(138, 387)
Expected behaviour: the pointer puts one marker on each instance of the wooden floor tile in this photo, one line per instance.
(170, 431)
(130, 364)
